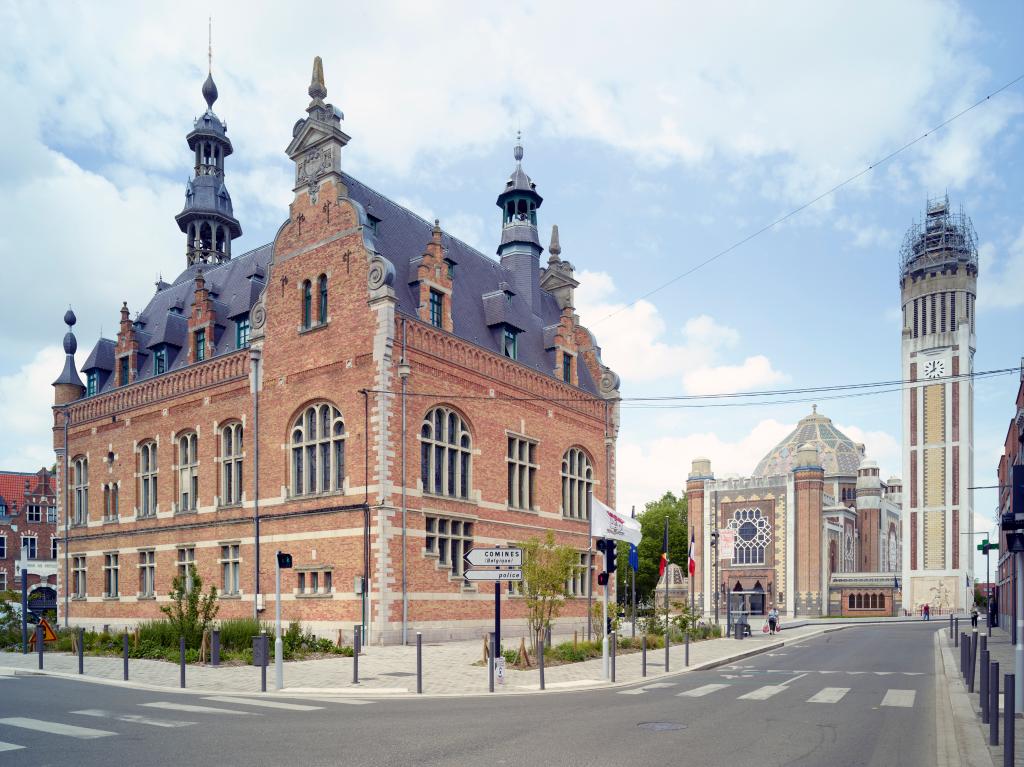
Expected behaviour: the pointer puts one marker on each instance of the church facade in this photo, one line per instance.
(816, 530)
(366, 392)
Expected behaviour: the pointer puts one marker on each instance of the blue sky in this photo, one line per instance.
(657, 138)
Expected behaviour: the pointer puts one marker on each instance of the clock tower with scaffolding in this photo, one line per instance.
(938, 285)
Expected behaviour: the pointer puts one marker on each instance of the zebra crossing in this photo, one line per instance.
(111, 723)
(893, 697)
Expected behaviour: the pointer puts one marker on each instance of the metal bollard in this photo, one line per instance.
(419, 662)
(951, 625)
(1008, 720)
(956, 632)
(490, 663)
(215, 648)
(547, 637)
(993, 704)
(264, 641)
(963, 663)
(181, 656)
(540, 662)
(39, 643)
(983, 687)
(643, 655)
(357, 645)
(124, 652)
(81, 651)
(971, 660)
(614, 640)
(666, 648)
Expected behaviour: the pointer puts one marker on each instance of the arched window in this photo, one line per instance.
(577, 484)
(307, 304)
(852, 602)
(445, 448)
(147, 479)
(231, 463)
(318, 450)
(881, 601)
(80, 480)
(753, 534)
(188, 473)
(321, 285)
(110, 502)
(860, 601)
(874, 601)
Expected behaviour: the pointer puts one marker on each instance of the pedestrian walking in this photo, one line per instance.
(974, 616)
(927, 613)
(773, 620)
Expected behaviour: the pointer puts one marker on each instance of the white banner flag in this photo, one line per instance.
(607, 523)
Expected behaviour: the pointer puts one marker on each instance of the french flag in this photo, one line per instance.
(692, 556)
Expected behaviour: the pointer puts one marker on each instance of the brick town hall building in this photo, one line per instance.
(256, 404)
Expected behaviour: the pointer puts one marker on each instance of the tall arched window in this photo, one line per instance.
(147, 479)
(577, 484)
(110, 502)
(852, 602)
(321, 285)
(318, 450)
(80, 480)
(874, 601)
(860, 601)
(307, 304)
(881, 601)
(231, 463)
(445, 449)
(188, 473)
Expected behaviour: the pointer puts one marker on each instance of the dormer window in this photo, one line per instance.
(436, 308)
(159, 361)
(242, 330)
(509, 343)
(566, 367)
(371, 222)
(451, 269)
(92, 380)
(122, 375)
(200, 337)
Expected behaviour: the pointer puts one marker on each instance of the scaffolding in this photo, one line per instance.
(943, 241)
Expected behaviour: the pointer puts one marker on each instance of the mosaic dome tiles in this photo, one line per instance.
(839, 455)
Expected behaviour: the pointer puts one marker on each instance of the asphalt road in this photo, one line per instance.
(861, 696)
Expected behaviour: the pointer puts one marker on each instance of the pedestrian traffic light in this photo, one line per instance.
(610, 555)
(602, 579)
(284, 561)
(714, 539)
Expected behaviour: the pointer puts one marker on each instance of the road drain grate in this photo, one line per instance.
(661, 726)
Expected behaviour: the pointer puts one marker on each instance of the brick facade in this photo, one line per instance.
(28, 512)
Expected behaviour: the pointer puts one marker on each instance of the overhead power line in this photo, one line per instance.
(811, 202)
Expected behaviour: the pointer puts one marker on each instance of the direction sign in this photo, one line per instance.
(493, 575)
(494, 557)
(985, 546)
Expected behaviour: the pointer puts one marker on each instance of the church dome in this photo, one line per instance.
(837, 453)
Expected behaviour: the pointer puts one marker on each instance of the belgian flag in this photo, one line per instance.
(664, 552)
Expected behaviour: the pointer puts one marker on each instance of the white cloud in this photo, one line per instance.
(26, 397)
(880, 446)
(636, 344)
(647, 468)
(1001, 276)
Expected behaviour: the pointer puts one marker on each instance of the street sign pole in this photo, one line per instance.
(278, 644)
(497, 620)
(24, 610)
(604, 619)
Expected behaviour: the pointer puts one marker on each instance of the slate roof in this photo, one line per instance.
(400, 236)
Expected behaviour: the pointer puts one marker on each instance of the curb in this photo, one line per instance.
(960, 738)
(387, 694)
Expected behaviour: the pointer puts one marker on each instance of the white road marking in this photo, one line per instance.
(646, 687)
(899, 698)
(195, 709)
(763, 693)
(263, 703)
(55, 728)
(132, 718)
(829, 695)
(9, 746)
(700, 692)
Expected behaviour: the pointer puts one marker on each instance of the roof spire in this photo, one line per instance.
(317, 88)
(555, 249)
(209, 45)
(517, 151)
(209, 87)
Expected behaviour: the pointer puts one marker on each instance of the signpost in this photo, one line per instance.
(284, 561)
(985, 547)
(496, 558)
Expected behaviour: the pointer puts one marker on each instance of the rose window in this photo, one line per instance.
(753, 534)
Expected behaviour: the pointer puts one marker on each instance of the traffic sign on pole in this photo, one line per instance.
(494, 557)
(493, 575)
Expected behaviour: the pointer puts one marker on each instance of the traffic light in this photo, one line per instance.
(602, 579)
(284, 561)
(610, 555)
(714, 539)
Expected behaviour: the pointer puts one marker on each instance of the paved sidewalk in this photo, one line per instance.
(384, 671)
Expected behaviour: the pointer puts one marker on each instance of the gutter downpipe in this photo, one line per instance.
(403, 372)
(255, 357)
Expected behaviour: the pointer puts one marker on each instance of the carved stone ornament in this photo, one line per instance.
(609, 383)
(381, 273)
(258, 315)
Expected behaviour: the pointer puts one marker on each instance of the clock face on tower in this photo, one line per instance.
(934, 369)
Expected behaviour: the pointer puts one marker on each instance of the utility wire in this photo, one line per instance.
(809, 203)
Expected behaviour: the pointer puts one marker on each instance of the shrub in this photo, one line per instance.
(191, 612)
(237, 633)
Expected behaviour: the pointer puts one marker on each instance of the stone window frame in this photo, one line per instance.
(758, 544)
(522, 472)
(243, 329)
(577, 584)
(111, 575)
(187, 449)
(306, 305)
(147, 574)
(80, 490)
(29, 544)
(199, 344)
(185, 555)
(436, 306)
(232, 459)
(308, 439)
(3, 547)
(111, 502)
(318, 579)
(230, 561)
(34, 513)
(446, 453)
(79, 577)
(148, 475)
(577, 483)
(443, 543)
(54, 543)
(322, 302)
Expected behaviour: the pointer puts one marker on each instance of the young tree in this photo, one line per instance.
(191, 612)
(547, 566)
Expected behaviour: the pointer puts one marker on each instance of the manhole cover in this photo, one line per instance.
(661, 726)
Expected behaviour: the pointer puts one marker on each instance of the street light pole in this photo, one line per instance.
(278, 644)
